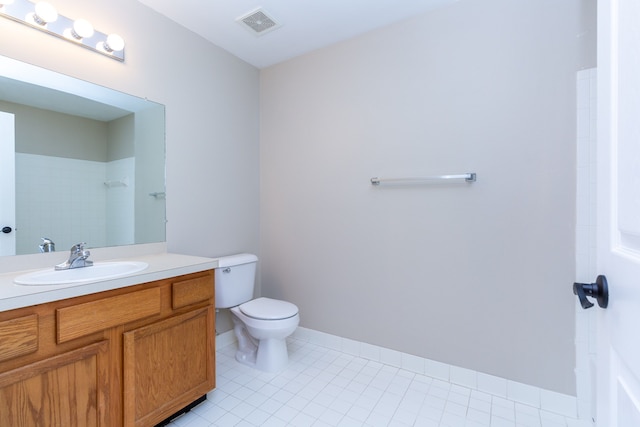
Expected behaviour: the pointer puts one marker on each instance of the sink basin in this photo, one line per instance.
(98, 271)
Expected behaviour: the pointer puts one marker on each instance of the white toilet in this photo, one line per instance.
(262, 324)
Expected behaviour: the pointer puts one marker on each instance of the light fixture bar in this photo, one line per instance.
(24, 12)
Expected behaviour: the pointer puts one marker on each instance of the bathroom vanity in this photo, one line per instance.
(124, 352)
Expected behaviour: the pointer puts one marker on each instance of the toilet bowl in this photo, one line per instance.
(261, 325)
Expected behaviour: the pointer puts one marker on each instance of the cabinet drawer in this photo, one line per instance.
(191, 291)
(84, 319)
(18, 337)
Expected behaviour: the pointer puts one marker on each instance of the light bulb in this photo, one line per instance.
(82, 29)
(45, 13)
(114, 43)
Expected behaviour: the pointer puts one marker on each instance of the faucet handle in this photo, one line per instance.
(78, 247)
(47, 245)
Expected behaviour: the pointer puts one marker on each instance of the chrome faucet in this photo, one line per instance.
(47, 245)
(77, 258)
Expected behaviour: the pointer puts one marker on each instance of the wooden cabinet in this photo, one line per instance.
(167, 364)
(127, 357)
(70, 389)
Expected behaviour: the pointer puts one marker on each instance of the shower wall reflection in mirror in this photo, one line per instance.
(89, 163)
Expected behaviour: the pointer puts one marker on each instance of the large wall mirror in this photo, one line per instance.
(78, 163)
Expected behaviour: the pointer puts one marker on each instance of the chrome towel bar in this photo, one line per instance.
(468, 177)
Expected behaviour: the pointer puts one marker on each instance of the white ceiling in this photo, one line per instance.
(306, 25)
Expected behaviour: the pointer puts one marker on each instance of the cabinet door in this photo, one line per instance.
(67, 390)
(168, 365)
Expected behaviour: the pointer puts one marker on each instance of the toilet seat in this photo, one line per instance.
(268, 309)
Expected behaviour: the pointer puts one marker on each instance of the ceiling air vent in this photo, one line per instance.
(258, 22)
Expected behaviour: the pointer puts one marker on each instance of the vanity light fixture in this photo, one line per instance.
(82, 29)
(43, 16)
(114, 43)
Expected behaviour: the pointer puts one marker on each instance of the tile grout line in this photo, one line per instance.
(351, 374)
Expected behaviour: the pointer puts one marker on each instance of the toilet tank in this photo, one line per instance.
(234, 279)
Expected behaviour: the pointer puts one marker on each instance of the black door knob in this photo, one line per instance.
(598, 290)
(6, 230)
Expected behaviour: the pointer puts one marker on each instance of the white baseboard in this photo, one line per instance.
(536, 397)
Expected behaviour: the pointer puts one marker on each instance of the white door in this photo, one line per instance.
(7, 185)
(618, 390)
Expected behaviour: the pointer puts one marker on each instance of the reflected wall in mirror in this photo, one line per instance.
(89, 163)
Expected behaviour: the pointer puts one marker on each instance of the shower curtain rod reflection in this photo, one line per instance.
(468, 177)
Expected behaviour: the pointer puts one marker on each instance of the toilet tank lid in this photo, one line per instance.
(239, 259)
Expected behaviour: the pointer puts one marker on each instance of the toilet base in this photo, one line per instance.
(247, 345)
(267, 355)
(272, 355)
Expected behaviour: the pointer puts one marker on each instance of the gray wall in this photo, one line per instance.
(475, 275)
(211, 100)
(49, 133)
(122, 138)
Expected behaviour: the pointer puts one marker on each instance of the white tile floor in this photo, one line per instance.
(324, 387)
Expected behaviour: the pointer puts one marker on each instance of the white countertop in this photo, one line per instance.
(161, 266)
